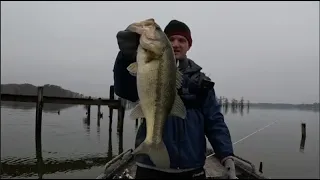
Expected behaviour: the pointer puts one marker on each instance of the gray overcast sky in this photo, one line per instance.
(263, 51)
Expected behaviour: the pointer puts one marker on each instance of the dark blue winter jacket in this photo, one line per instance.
(184, 139)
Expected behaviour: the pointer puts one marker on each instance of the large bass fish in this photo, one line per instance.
(158, 79)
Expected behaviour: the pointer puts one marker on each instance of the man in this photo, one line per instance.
(184, 139)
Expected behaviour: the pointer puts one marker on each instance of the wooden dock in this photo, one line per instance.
(115, 104)
(40, 100)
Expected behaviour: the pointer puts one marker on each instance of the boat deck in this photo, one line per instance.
(213, 169)
(124, 167)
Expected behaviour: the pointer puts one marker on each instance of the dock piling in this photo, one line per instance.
(120, 142)
(260, 167)
(121, 112)
(111, 96)
(88, 111)
(39, 107)
(40, 100)
(303, 137)
(110, 153)
(303, 130)
(99, 111)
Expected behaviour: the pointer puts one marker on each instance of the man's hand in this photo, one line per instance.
(128, 41)
(231, 170)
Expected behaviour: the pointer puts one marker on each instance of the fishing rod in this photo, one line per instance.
(247, 136)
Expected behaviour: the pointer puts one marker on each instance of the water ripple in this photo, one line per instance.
(28, 166)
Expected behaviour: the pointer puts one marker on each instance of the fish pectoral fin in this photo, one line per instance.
(137, 113)
(157, 153)
(127, 104)
(178, 108)
(133, 68)
(179, 79)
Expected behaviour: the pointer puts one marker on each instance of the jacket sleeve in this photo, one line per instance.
(216, 129)
(124, 83)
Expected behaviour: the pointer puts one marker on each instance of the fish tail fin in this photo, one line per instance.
(158, 153)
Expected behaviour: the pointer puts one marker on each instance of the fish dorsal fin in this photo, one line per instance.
(179, 79)
(133, 68)
(178, 108)
(137, 113)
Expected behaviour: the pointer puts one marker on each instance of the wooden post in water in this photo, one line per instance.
(98, 118)
(303, 130)
(303, 136)
(88, 112)
(39, 112)
(110, 145)
(121, 112)
(260, 167)
(120, 142)
(99, 111)
(39, 107)
(110, 123)
(111, 96)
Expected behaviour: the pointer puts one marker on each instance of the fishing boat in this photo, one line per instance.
(123, 167)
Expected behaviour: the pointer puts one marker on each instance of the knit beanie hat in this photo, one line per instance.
(176, 27)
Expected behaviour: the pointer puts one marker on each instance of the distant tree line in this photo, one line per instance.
(234, 103)
(313, 106)
(223, 101)
(29, 89)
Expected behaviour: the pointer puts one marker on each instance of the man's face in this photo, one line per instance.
(180, 46)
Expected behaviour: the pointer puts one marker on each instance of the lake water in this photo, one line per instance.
(74, 148)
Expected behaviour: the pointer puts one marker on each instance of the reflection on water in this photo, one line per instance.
(110, 145)
(241, 110)
(39, 158)
(98, 130)
(303, 137)
(226, 109)
(234, 109)
(120, 142)
(69, 145)
(50, 166)
(86, 125)
(15, 166)
(48, 108)
(302, 143)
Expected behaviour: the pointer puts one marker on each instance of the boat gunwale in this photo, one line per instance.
(126, 161)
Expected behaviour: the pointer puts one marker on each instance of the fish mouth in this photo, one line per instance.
(141, 26)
